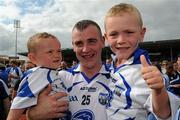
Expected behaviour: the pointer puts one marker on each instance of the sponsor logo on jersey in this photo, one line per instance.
(84, 114)
(114, 80)
(118, 90)
(103, 98)
(89, 89)
(73, 98)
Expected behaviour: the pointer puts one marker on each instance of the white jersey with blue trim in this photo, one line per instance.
(130, 92)
(132, 99)
(88, 97)
(30, 87)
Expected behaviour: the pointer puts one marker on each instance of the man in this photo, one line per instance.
(87, 82)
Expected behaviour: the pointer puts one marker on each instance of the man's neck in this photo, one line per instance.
(91, 72)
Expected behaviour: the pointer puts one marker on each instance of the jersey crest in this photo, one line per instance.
(84, 114)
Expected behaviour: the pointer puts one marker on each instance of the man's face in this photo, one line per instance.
(87, 45)
(123, 34)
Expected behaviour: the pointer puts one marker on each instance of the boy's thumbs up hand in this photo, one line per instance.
(144, 61)
(151, 75)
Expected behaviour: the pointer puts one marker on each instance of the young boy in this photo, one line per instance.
(132, 89)
(44, 50)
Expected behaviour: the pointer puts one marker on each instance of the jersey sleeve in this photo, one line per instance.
(29, 89)
(174, 105)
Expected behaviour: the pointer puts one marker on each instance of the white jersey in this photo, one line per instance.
(88, 97)
(34, 82)
(131, 95)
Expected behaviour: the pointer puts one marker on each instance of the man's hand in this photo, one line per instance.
(49, 106)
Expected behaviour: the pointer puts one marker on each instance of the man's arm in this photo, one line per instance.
(48, 106)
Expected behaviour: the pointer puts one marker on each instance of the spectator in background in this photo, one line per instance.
(15, 73)
(174, 79)
(175, 65)
(4, 100)
(164, 66)
(8, 68)
(3, 73)
(178, 61)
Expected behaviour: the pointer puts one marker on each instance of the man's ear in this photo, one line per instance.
(103, 41)
(106, 39)
(73, 46)
(105, 36)
(32, 57)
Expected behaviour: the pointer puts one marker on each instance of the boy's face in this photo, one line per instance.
(87, 45)
(48, 53)
(123, 34)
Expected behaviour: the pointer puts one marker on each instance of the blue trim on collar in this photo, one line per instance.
(136, 60)
(89, 79)
(104, 71)
(138, 52)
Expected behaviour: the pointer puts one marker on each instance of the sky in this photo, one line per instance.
(161, 18)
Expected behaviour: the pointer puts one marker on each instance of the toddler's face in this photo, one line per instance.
(49, 53)
(123, 34)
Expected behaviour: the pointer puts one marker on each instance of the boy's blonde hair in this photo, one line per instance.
(34, 40)
(120, 9)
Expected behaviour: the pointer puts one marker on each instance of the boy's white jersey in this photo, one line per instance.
(88, 97)
(130, 92)
(34, 82)
(132, 99)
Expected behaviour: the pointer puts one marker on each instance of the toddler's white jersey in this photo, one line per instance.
(131, 95)
(34, 82)
(88, 97)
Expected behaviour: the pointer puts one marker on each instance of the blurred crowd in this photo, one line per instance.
(12, 74)
(171, 73)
